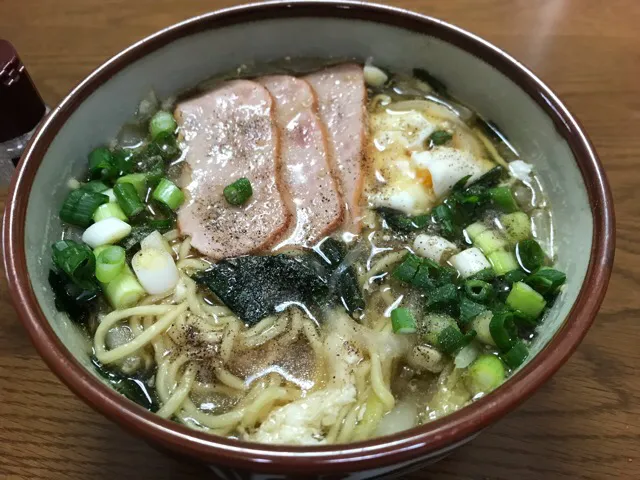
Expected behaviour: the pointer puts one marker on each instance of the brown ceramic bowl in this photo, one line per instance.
(182, 55)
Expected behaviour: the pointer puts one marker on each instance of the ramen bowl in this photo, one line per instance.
(180, 56)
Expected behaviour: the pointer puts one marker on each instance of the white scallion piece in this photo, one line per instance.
(433, 247)
(112, 196)
(374, 76)
(157, 241)
(156, 270)
(469, 262)
(106, 232)
(466, 355)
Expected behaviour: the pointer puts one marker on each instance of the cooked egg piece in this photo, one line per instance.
(449, 165)
(406, 173)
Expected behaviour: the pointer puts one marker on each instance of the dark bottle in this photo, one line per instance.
(21, 110)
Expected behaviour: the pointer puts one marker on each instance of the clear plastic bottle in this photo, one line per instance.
(21, 110)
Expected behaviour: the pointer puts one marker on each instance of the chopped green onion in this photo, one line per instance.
(503, 261)
(156, 240)
(474, 230)
(485, 275)
(524, 321)
(516, 355)
(407, 269)
(423, 278)
(451, 339)
(238, 192)
(434, 324)
(485, 374)
(162, 122)
(163, 225)
(169, 194)
(489, 241)
(439, 137)
(101, 164)
(502, 329)
(515, 276)
(80, 205)
(164, 144)
(76, 260)
(443, 216)
(139, 182)
(478, 291)
(124, 290)
(469, 310)
(402, 321)
(546, 280)
(400, 222)
(502, 198)
(128, 199)
(112, 196)
(517, 226)
(426, 275)
(525, 299)
(491, 178)
(109, 263)
(106, 232)
(155, 173)
(107, 210)
(442, 297)
(123, 160)
(94, 186)
(481, 324)
(530, 255)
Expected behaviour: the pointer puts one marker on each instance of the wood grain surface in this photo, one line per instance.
(585, 423)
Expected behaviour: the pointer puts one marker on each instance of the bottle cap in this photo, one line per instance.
(21, 107)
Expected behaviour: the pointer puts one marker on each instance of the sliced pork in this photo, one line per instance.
(231, 133)
(341, 96)
(306, 165)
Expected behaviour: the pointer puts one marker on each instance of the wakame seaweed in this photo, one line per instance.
(400, 222)
(254, 287)
(343, 280)
(77, 302)
(135, 389)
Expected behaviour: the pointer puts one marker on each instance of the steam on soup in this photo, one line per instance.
(307, 257)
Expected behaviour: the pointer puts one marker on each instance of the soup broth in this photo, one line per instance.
(307, 253)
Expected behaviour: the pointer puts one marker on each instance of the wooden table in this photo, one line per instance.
(585, 423)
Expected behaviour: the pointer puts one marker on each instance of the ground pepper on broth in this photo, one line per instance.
(424, 301)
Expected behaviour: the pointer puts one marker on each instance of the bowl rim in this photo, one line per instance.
(408, 446)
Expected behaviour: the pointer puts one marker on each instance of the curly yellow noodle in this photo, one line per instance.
(263, 401)
(172, 235)
(230, 379)
(185, 248)
(378, 383)
(491, 149)
(179, 395)
(348, 425)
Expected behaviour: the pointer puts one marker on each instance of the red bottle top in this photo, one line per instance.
(21, 107)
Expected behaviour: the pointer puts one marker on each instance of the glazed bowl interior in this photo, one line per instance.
(183, 56)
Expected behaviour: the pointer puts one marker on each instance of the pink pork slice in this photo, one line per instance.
(305, 160)
(230, 133)
(341, 96)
